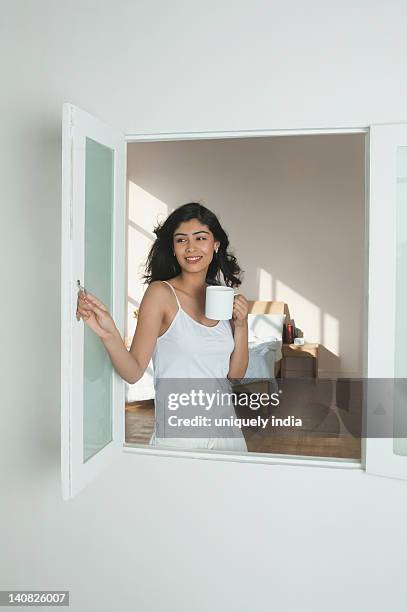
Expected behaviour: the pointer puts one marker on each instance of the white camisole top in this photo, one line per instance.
(188, 349)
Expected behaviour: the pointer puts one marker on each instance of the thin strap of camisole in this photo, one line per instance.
(173, 290)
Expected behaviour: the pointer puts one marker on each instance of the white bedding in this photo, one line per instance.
(263, 354)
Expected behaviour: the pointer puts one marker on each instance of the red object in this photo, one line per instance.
(290, 333)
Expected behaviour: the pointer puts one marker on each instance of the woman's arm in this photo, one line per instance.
(149, 320)
(239, 359)
(130, 365)
(123, 362)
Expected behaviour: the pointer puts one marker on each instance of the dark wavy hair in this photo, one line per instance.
(162, 264)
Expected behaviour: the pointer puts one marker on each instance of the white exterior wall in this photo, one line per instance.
(153, 533)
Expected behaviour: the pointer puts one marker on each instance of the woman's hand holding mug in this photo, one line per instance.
(96, 316)
(221, 303)
(240, 310)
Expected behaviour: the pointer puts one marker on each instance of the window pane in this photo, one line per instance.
(98, 370)
(400, 364)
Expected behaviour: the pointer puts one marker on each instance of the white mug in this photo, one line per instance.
(219, 302)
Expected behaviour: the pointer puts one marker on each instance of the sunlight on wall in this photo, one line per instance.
(138, 245)
(330, 337)
(144, 212)
(306, 314)
(264, 284)
(145, 209)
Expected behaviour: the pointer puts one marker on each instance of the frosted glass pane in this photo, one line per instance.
(98, 369)
(400, 364)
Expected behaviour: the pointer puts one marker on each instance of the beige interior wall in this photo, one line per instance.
(294, 211)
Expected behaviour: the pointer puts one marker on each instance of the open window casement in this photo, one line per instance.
(93, 253)
(386, 397)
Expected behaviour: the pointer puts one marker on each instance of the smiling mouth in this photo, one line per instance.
(193, 259)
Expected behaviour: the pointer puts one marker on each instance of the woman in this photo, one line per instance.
(189, 254)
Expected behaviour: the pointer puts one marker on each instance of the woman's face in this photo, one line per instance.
(194, 245)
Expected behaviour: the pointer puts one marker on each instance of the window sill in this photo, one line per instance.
(262, 458)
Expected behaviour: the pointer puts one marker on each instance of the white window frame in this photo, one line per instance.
(384, 140)
(265, 458)
(77, 126)
(77, 474)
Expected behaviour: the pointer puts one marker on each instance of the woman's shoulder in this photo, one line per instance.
(159, 294)
(157, 288)
(156, 283)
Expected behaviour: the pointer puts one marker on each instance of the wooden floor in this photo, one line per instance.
(326, 443)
